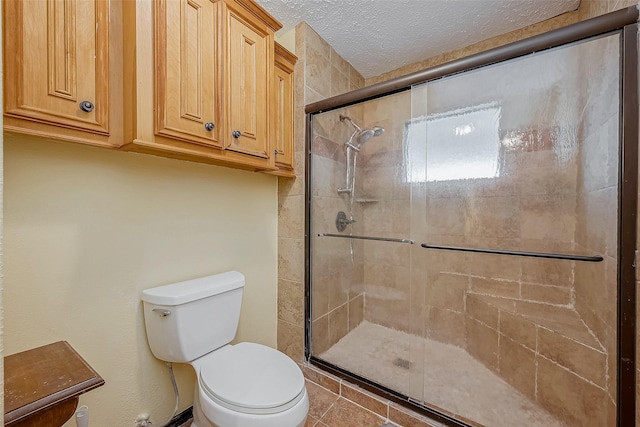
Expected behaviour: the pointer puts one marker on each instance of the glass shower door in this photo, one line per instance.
(520, 163)
(361, 298)
(464, 240)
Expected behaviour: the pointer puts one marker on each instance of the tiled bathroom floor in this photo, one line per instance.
(441, 374)
(454, 382)
(336, 403)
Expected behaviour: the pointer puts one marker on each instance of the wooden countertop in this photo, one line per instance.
(43, 377)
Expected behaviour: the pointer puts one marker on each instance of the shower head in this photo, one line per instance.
(367, 134)
(362, 135)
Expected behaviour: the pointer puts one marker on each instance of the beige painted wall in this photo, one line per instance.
(1, 235)
(287, 39)
(88, 229)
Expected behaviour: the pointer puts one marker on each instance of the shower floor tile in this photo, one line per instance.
(440, 374)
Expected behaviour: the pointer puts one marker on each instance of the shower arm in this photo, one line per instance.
(347, 118)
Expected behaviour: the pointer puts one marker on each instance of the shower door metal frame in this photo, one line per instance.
(623, 21)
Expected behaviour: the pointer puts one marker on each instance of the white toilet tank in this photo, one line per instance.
(189, 319)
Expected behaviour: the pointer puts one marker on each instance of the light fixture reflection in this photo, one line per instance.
(464, 129)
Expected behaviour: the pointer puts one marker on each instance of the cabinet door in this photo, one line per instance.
(57, 63)
(283, 118)
(186, 94)
(248, 76)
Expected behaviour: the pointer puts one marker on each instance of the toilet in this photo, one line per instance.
(241, 385)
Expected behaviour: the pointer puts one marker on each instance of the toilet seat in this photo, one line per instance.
(251, 378)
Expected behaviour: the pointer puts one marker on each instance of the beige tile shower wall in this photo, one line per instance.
(290, 327)
(588, 9)
(336, 267)
(596, 284)
(386, 202)
(336, 263)
(592, 8)
(503, 215)
(424, 291)
(320, 72)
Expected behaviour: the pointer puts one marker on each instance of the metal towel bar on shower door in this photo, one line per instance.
(595, 258)
(381, 239)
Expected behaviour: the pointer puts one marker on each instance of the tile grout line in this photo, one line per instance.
(388, 404)
(322, 387)
(574, 373)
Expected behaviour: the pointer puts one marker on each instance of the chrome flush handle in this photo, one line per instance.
(162, 311)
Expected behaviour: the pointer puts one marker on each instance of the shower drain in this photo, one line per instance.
(403, 363)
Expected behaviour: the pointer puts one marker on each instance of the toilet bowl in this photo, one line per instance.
(241, 385)
(249, 385)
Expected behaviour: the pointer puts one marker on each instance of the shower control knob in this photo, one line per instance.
(209, 126)
(86, 106)
(236, 134)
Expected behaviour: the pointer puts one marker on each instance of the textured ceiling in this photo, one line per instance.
(377, 36)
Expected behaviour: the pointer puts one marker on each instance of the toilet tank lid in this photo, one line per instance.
(195, 289)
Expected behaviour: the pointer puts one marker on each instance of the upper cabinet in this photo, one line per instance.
(213, 67)
(247, 62)
(189, 79)
(187, 93)
(282, 117)
(62, 75)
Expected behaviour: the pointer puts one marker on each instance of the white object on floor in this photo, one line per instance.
(82, 416)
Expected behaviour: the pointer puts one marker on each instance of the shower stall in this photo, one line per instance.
(471, 233)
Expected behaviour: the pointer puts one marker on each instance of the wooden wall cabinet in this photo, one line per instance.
(282, 117)
(187, 96)
(188, 79)
(247, 61)
(62, 70)
(212, 83)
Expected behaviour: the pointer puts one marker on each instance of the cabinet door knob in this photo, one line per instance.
(276, 152)
(236, 134)
(86, 106)
(209, 126)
